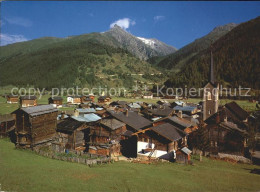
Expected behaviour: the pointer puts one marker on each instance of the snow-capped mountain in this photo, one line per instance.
(141, 47)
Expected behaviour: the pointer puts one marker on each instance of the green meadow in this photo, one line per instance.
(22, 170)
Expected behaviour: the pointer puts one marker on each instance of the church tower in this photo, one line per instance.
(210, 93)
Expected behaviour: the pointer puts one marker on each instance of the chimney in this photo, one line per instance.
(126, 112)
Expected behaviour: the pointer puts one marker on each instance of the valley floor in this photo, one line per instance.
(6, 108)
(25, 171)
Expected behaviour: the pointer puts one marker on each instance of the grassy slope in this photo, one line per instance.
(26, 171)
(70, 61)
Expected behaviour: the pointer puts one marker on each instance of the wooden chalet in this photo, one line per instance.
(35, 125)
(76, 99)
(104, 99)
(12, 99)
(183, 155)
(57, 101)
(105, 138)
(159, 140)
(28, 101)
(226, 133)
(183, 124)
(73, 134)
(7, 123)
(238, 114)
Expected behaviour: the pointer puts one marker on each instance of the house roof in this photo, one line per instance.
(118, 103)
(75, 96)
(184, 108)
(127, 133)
(86, 110)
(12, 96)
(186, 150)
(7, 117)
(231, 126)
(68, 125)
(134, 105)
(56, 98)
(112, 123)
(39, 110)
(237, 110)
(180, 103)
(161, 112)
(133, 120)
(28, 97)
(180, 121)
(91, 117)
(169, 131)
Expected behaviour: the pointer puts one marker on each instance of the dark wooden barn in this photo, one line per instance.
(163, 139)
(28, 101)
(227, 132)
(12, 99)
(7, 123)
(104, 138)
(35, 125)
(73, 134)
(183, 155)
(56, 101)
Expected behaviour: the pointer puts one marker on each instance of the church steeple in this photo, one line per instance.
(211, 92)
(211, 69)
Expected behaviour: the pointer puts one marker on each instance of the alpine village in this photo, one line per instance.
(139, 128)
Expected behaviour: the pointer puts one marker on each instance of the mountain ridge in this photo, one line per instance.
(177, 60)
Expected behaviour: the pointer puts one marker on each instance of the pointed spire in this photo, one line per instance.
(211, 69)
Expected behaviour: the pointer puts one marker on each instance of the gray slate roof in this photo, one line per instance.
(169, 131)
(91, 117)
(180, 121)
(28, 97)
(39, 110)
(133, 120)
(112, 123)
(161, 112)
(7, 117)
(186, 150)
(68, 125)
(184, 108)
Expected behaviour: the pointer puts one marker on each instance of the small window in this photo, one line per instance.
(209, 112)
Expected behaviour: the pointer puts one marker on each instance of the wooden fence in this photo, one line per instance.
(81, 160)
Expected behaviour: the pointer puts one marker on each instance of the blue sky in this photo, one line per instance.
(175, 23)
